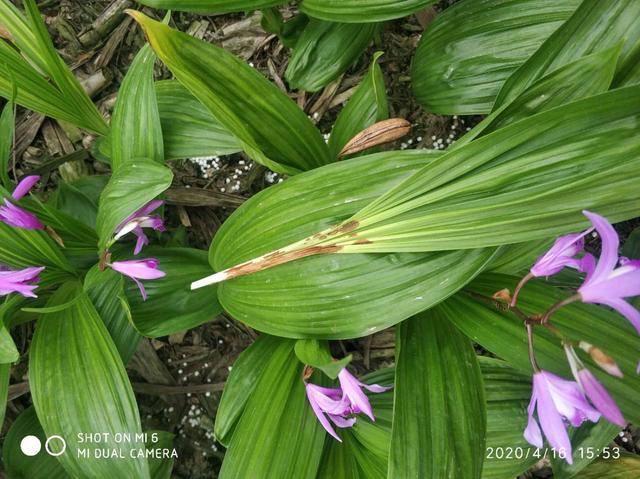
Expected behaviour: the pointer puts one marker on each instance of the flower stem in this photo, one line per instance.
(532, 355)
(522, 282)
(557, 306)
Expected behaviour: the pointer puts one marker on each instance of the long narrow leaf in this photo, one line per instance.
(468, 52)
(135, 126)
(270, 126)
(362, 11)
(325, 50)
(439, 411)
(79, 384)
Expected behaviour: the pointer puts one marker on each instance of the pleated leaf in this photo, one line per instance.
(16, 464)
(48, 87)
(564, 85)
(467, 53)
(242, 380)
(529, 180)
(211, 6)
(507, 392)
(188, 127)
(135, 126)
(311, 298)
(21, 248)
(439, 416)
(171, 305)
(7, 121)
(362, 11)
(278, 434)
(318, 355)
(623, 467)
(367, 106)
(325, 50)
(594, 27)
(79, 384)
(271, 128)
(106, 291)
(189, 130)
(131, 187)
(587, 438)
(503, 334)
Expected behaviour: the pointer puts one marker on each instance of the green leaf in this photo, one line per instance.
(367, 106)
(586, 438)
(62, 97)
(311, 298)
(7, 121)
(595, 26)
(361, 11)
(527, 181)
(211, 6)
(159, 467)
(631, 247)
(16, 464)
(325, 50)
(78, 238)
(507, 392)
(80, 198)
(79, 384)
(106, 291)
(188, 127)
(469, 50)
(503, 335)
(278, 434)
(21, 248)
(439, 412)
(131, 187)
(559, 87)
(189, 130)
(135, 126)
(171, 305)
(242, 380)
(5, 377)
(625, 467)
(8, 351)
(318, 355)
(271, 128)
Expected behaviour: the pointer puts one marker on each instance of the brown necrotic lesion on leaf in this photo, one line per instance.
(377, 134)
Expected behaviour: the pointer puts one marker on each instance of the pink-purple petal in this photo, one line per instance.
(610, 244)
(625, 309)
(352, 389)
(600, 398)
(551, 421)
(24, 186)
(320, 414)
(19, 218)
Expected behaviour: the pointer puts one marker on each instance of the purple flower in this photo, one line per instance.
(332, 403)
(556, 399)
(20, 281)
(352, 389)
(139, 220)
(340, 404)
(606, 284)
(591, 387)
(561, 254)
(17, 217)
(139, 269)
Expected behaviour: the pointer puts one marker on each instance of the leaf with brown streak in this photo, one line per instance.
(377, 134)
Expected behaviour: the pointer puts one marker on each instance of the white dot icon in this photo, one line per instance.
(30, 445)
